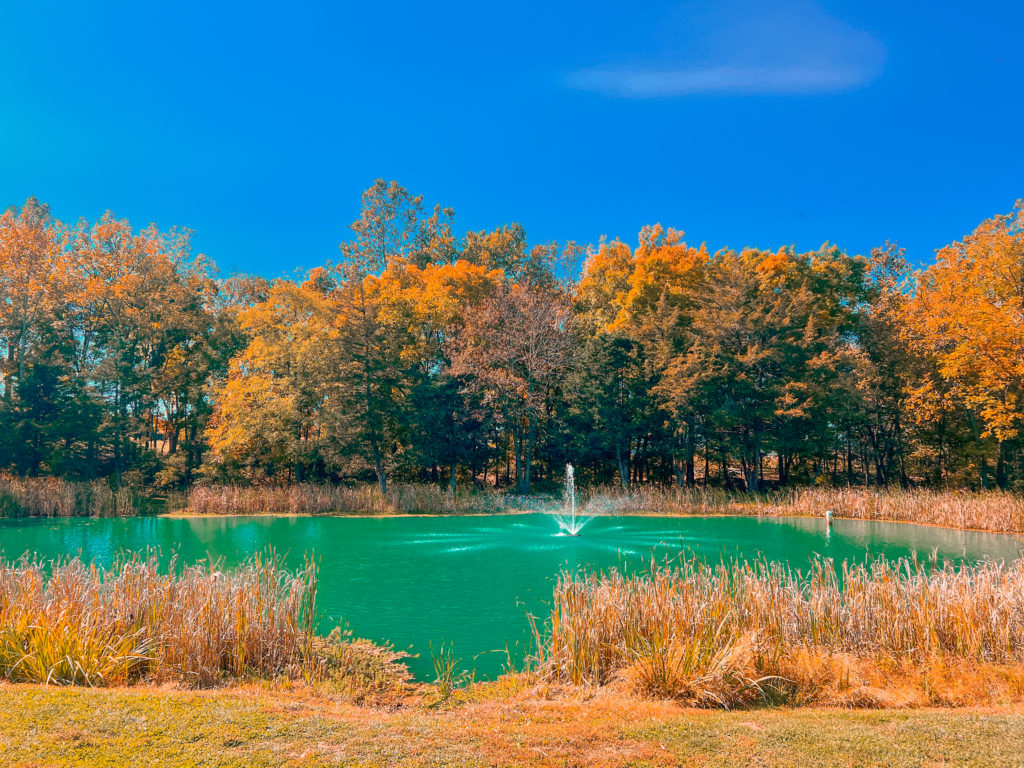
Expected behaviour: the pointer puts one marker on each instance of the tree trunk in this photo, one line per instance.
(984, 460)
(1002, 475)
(8, 375)
(378, 465)
(524, 480)
(623, 466)
(751, 469)
(172, 438)
(689, 448)
(517, 450)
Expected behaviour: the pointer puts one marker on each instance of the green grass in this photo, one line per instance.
(811, 738)
(260, 727)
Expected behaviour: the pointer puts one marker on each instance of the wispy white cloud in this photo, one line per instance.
(647, 83)
(776, 48)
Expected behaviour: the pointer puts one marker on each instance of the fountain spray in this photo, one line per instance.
(571, 523)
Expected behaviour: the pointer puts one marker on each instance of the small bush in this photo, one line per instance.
(360, 670)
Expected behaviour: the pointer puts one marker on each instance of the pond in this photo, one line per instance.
(470, 581)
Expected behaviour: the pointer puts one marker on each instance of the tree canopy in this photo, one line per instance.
(486, 359)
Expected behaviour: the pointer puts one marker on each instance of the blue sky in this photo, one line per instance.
(741, 122)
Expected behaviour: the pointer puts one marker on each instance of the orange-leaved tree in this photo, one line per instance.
(968, 313)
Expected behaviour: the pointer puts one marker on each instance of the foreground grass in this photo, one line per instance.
(262, 727)
(70, 623)
(745, 633)
(892, 633)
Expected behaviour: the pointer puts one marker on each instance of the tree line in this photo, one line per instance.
(419, 355)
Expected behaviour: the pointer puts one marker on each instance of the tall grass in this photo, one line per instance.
(311, 499)
(54, 497)
(72, 623)
(996, 511)
(727, 633)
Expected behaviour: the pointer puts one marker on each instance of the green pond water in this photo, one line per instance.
(470, 581)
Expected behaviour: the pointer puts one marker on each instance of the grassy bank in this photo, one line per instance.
(620, 663)
(994, 511)
(268, 728)
(893, 633)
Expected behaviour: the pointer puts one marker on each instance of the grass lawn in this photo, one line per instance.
(259, 727)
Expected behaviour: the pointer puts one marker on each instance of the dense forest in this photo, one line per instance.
(418, 355)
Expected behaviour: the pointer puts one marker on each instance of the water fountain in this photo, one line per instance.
(571, 523)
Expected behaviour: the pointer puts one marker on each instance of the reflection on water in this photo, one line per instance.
(951, 544)
(471, 580)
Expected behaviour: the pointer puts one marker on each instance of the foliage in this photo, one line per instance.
(485, 359)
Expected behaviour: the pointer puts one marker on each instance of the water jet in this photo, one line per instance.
(571, 524)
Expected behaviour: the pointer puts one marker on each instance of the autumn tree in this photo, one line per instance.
(372, 381)
(32, 252)
(517, 347)
(503, 248)
(445, 422)
(426, 354)
(968, 314)
(649, 295)
(613, 399)
(269, 418)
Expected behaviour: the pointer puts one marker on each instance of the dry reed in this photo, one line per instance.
(995, 511)
(54, 497)
(71, 623)
(311, 499)
(737, 632)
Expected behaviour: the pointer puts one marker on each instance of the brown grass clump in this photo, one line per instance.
(705, 674)
(75, 624)
(737, 633)
(360, 671)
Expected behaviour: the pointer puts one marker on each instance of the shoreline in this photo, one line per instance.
(186, 515)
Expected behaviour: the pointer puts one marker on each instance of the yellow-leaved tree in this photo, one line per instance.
(968, 314)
